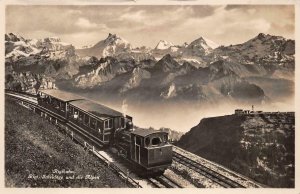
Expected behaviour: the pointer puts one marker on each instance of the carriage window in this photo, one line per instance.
(92, 123)
(80, 116)
(63, 107)
(147, 141)
(75, 113)
(55, 103)
(70, 111)
(108, 124)
(99, 126)
(155, 141)
(86, 119)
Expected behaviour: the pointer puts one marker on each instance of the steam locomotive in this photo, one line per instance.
(148, 151)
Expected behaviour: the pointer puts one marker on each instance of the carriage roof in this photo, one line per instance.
(146, 132)
(96, 109)
(61, 95)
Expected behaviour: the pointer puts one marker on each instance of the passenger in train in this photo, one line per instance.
(75, 115)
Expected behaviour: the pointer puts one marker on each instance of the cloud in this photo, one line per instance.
(235, 25)
(137, 16)
(147, 24)
(84, 23)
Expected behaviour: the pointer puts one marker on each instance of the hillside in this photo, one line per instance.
(261, 146)
(38, 155)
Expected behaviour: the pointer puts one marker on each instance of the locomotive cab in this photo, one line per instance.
(151, 150)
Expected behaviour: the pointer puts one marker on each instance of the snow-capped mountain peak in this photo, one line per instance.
(112, 45)
(114, 39)
(200, 47)
(18, 47)
(210, 43)
(163, 44)
(52, 39)
(204, 43)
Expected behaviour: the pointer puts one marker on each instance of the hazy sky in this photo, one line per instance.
(147, 24)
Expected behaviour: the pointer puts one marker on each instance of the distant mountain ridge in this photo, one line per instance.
(17, 47)
(200, 71)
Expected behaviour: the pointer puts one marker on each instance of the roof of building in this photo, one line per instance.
(61, 95)
(146, 132)
(238, 109)
(97, 109)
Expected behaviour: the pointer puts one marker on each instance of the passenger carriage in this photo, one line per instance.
(56, 100)
(97, 119)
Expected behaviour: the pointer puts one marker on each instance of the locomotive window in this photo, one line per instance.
(106, 137)
(123, 122)
(165, 138)
(110, 123)
(147, 141)
(138, 141)
(155, 141)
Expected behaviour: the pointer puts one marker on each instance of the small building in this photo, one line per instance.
(242, 112)
(246, 112)
(238, 111)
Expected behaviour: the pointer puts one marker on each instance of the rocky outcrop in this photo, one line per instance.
(260, 146)
(102, 71)
(137, 76)
(28, 82)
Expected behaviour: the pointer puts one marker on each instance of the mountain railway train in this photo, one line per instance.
(148, 151)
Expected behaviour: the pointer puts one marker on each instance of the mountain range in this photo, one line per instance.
(200, 71)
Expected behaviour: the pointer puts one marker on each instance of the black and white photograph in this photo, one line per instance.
(149, 94)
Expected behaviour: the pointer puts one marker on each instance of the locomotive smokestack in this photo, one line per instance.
(124, 107)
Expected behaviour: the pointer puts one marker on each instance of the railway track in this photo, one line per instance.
(164, 182)
(203, 170)
(167, 182)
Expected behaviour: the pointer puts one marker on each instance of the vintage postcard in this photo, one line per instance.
(145, 94)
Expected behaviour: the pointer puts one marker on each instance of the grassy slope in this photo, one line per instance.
(219, 139)
(33, 146)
